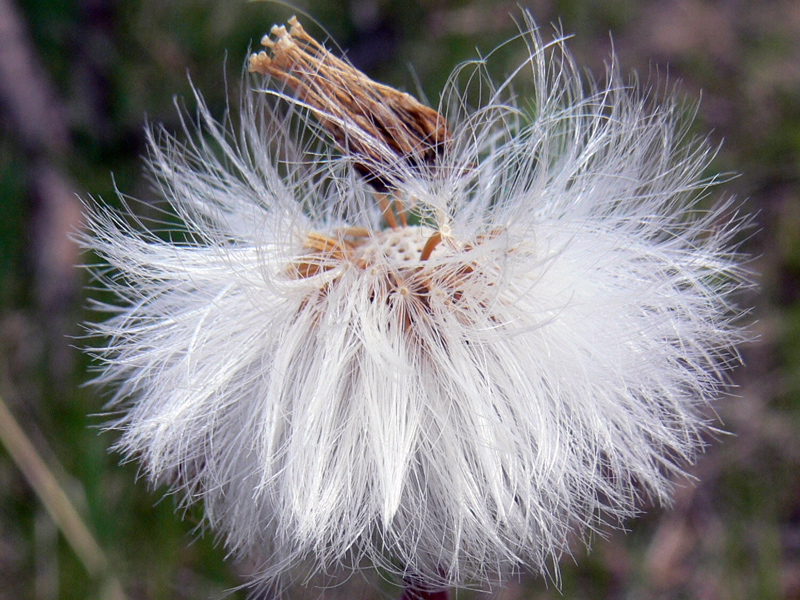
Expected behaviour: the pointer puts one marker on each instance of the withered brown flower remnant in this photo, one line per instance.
(378, 125)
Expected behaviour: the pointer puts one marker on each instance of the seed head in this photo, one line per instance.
(437, 345)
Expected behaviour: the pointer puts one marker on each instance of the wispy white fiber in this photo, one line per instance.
(455, 418)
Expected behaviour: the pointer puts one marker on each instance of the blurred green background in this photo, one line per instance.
(79, 79)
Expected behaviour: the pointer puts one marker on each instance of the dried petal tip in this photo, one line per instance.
(385, 129)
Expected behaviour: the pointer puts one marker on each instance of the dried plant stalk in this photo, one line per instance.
(375, 123)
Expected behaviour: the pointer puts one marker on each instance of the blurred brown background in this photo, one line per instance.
(79, 79)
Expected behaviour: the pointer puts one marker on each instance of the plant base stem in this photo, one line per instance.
(414, 593)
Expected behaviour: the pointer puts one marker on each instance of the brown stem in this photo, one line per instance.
(430, 245)
(401, 212)
(386, 209)
(412, 592)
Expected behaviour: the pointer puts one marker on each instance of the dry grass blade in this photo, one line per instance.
(56, 502)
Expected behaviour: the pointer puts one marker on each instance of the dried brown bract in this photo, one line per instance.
(375, 123)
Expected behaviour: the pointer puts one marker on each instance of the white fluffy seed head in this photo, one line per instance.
(450, 398)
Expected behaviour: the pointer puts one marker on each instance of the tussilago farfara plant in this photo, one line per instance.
(437, 341)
